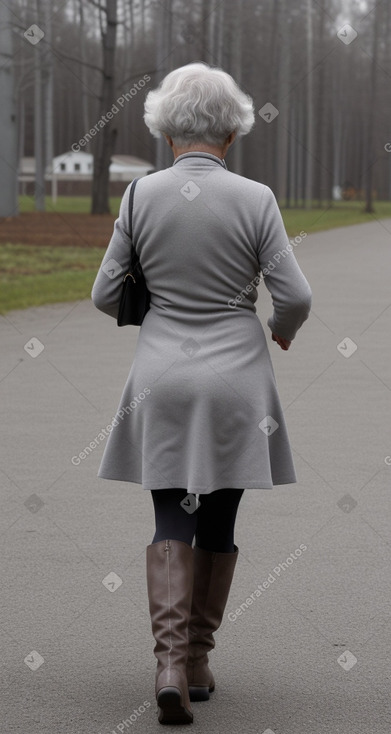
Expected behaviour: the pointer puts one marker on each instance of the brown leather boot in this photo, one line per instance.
(213, 573)
(170, 586)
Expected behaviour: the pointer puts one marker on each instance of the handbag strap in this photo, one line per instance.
(130, 207)
(133, 254)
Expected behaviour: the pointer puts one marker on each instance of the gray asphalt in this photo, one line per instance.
(311, 654)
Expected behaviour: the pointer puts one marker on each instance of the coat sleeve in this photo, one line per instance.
(107, 288)
(290, 291)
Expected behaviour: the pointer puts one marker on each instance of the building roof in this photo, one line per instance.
(120, 164)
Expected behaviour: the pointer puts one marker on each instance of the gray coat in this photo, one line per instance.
(200, 408)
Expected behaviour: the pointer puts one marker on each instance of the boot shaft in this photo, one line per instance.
(170, 589)
(213, 574)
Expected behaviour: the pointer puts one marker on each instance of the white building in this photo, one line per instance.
(72, 164)
(122, 168)
(78, 166)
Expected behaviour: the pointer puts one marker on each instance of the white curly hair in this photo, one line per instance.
(198, 103)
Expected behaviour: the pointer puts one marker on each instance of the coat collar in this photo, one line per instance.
(200, 154)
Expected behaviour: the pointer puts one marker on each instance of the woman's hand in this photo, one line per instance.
(284, 343)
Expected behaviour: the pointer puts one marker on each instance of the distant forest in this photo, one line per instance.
(319, 71)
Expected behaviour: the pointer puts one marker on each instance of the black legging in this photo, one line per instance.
(212, 523)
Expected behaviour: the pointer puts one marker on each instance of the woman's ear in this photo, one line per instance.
(228, 141)
(169, 140)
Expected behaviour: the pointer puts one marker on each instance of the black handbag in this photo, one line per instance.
(135, 296)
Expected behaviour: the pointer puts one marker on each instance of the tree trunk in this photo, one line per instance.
(105, 139)
(337, 126)
(83, 73)
(220, 35)
(371, 113)
(387, 66)
(296, 153)
(290, 157)
(39, 189)
(237, 147)
(270, 154)
(282, 120)
(205, 20)
(211, 33)
(8, 121)
(163, 48)
(48, 88)
(320, 116)
(310, 113)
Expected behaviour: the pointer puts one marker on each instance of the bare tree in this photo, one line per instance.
(8, 123)
(328, 93)
(283, 102)
(39, 191)
(310, 110)
(387, 64)
(164, 30)
(104, 142)
(319, 112)
(47, 73)
(219, 50)
(237, 152)
(83, 69)
(372, 110)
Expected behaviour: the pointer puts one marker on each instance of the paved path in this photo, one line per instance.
(311, 654)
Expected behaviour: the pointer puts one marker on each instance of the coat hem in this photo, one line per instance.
(205, 490)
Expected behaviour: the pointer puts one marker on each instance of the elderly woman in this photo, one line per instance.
(207, 420)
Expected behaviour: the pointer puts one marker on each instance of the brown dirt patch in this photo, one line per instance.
(57, 229)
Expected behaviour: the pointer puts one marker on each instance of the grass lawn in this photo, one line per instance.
(341, 214)
(70, 204)
(35, 274)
